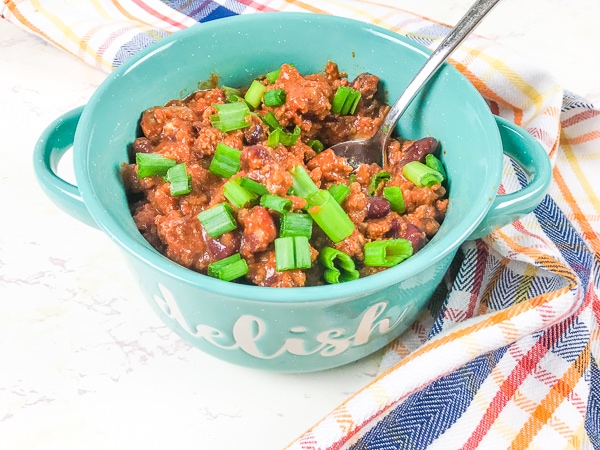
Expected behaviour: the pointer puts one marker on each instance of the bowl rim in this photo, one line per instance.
(421, 261)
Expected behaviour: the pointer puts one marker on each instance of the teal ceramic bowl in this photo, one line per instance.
(296, 329)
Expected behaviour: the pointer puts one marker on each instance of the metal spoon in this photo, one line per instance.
(374, 149)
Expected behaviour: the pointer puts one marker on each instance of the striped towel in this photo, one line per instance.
(506, 355)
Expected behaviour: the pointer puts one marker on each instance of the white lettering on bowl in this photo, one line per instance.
(248, 330)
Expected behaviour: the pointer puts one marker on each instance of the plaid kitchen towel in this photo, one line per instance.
(506, 354)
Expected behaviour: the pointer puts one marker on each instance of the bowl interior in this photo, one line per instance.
(240, 48)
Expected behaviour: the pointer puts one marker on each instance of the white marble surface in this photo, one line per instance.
(84, 363)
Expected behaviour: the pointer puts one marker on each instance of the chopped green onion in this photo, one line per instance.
(339, 267)
(217, 220)
(301, 252)
(387, 253)
(273, 139)
(303, 185)
(150, 164)
(393, 194)
(290, 138)
(316, 145)
(330, 216)
(292, 252)
(236, 194)
(345, 100)
(435, 164)
(273, 75)
(339, 192)
(421, 175)
(179, 179)
(229, 268)
(230, 116)
(296, 224)
(276, 203)
(274, 97)
(284, 254)
(254, 93)
(280, 136)
(339, 98)
(253, 186)
(271, 121)
(379, 178)
(231, 94)
(226, 161)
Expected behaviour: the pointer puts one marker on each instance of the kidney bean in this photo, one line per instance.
(254, 134)
(222, 247)
(140, 145)
(394, 229)
(377, 207)
(417, 151)
(416, 237)
(143, 145)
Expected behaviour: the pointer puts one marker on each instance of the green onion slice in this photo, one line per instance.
(381, 177)
(229, 268)
(330, 216)
(150, 164)
(226, 161)
(339, 192)
(339, 267)
(292, 252)
(276, 203)
(316, 145)
(230, 116)
(271, 121)
(280, 136)
(387, 253)
(273, 139)
(393, 194)
(303, 185)
(434, 163)
(273, 75)
(421, 175)
(290, 138)
(302, 252)
(253, 186)
(217, 220)
(296, 224)
(254, 93)
(237, 195)
(345, 100)
(179, 179)
(274, 97)
(232, 94)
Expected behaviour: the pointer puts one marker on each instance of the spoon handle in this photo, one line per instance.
(458, 34)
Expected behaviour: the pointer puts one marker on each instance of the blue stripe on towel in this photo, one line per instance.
(428, 413)
(204, 11)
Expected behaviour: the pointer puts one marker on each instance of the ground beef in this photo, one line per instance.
(262, 272)
(258, 230)
(183, 131)
(330, 167)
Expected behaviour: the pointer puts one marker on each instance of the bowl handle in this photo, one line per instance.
(528, 153)
(51, 146)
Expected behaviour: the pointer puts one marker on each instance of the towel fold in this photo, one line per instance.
(505, 356)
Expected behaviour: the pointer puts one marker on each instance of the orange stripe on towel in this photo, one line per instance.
(542, 415)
